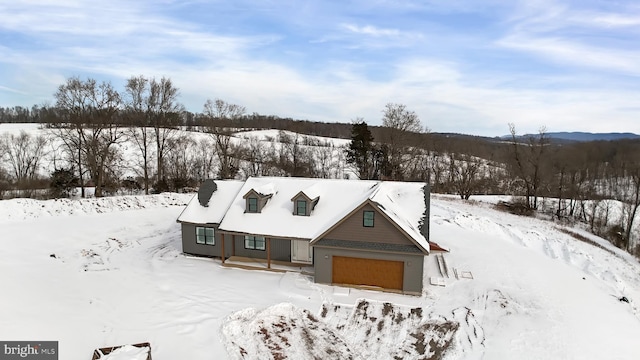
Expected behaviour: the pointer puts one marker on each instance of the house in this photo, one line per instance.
(373, 233)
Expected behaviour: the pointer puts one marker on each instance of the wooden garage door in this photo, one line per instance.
(356, 271)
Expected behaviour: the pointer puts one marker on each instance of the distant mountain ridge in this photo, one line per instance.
(578, 136)
(586, 136)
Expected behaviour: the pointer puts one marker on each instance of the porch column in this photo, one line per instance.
(268, 253)
(222, 245)
(233, 245)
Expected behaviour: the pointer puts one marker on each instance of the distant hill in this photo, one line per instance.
(585, 136)
(577, 136)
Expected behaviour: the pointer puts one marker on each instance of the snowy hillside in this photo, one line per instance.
(327, 153)
(93, 274)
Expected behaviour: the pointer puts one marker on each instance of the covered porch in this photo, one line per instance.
(264, 252)
(247, 263)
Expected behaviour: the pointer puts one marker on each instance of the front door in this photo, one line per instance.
(301, 251)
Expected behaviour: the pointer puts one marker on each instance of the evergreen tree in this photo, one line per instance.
(63, 183)
(361, 151)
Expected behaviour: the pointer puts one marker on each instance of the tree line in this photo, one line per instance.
(570, 182)
(91, 123)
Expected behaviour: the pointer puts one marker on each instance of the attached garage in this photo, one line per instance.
(343, 266)
(373, 272)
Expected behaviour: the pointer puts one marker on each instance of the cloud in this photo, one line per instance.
(572, 52)
(457, 80)
(574, 36)
(371, 30)
(614, 20)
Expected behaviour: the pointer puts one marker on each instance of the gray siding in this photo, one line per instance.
(189, 245)
(413, 265)
(280, 249)
(383, 231)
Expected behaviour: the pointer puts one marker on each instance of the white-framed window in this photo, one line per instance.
(254, 242)
(205, 235)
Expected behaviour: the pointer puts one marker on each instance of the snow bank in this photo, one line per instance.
(24, 209)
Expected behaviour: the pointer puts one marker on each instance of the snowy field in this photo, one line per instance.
(102, 272)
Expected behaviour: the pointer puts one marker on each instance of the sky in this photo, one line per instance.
(467, 67)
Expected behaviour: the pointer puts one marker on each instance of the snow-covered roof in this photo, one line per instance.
(402, 202)
(264, 189)
(313, 191)
(218, 204)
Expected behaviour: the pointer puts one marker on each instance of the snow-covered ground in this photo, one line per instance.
(103, 272)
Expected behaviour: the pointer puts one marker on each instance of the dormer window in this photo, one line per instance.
(256, 200)
(301, 207)
(252, 204)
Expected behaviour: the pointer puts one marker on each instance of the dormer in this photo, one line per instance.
(303, 204)
(256, 199)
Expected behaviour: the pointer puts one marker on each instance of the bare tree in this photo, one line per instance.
(164, 112)
(294, 157)
(204, 161)
(22, 153)
(88, 126)
(103, 132)
(181, 163)
(528, 162)
(398, 123)
(628, 168)
(139, 119)
(323, 155)
(73, 104)
(256, 156)
(465, 171)
(218, 113)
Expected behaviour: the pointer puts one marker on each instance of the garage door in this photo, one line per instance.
(356, 271)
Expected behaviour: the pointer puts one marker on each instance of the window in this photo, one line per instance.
(252, 204)
(367, 220)
(205, 236)
(301, 207)
(254, 242)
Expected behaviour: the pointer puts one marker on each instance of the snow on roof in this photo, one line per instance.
(276, 218)
(264, 189)
(127, 352)
(312, 191)
(218, 204)
(402, 202)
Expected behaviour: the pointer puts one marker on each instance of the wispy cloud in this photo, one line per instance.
(573, 52)
(371, 30)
